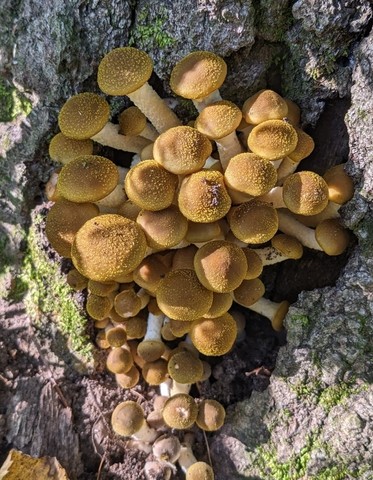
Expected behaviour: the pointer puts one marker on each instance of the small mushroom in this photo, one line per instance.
(199, 471)
(180, 411)
(214, 336)
(128, 420)
(157, 471)
(184, 368)
(63, 149)
(167, 448)
(211, 415)
(119, 360)
(273, 139)
(133, 122)
(283, 247)
(264, 105)
(129, 379)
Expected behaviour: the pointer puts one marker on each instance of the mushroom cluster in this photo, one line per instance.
(168, 245)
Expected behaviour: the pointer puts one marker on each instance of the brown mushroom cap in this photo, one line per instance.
(180, 411)
(200, 471)
(150, 186)
(116, 336)
(254, 222)
(181, 296)
(63, 149)
(63, 221)
(155, 373)
(254, 264)
(221, 303)
(83, 115)
(132, 121)
(218, 119)
(273, 139)
(129, 210)
(293, 115)
(184, 258)
(98, 307)
(76, 280)
(198, 74)
(214, 336)
(340, 185)
(135, 327)
(332, 237)
(182, 150)
(128, 379)
(180, 327)
(87, 179)
(203, 197)
(248, 173)
(102, 289)
(202, 232)
(211, 415)
(118, 241)
(249, 292)
(304, 148)
(124, 70)
(220, 266)
(150, 272)
(305, 193)
(264, 105)
(119, 360)
(127, 418)
(127, 304)
(163, 229)
(289, 246)
(184, 367)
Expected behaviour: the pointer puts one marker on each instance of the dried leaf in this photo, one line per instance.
(19, 465)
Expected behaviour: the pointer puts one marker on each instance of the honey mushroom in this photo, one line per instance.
(218, 121)
(214, 336)
(151, 347)
(86, 116)
(198, 77)
(180, 411)
(128, 420)
(64, 149)
(283, 247)
(264, 105)
(201, 233)
(211, 415)
(126, 71)
(185, 369)
(198, 471)
(133, 122)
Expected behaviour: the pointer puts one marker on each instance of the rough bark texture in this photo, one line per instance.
(315, 419)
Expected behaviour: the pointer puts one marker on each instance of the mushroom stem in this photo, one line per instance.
(274, 311)
(274, 197)
(186, 457)
(228, 147)
(153, 330)
(109, 136)
(149, 132)
(331, 211)
(203, 102)
(291, 226)
(286, 168)
(154, 107)
(177, 387)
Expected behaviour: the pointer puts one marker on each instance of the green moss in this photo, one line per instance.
(150, 33)
(300, 319)
(47, 294)
(335, 394)
(12, 102)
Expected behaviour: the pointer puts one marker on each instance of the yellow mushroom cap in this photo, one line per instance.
(150, 186)
(116, 336)
(184, 367)
(180, 327)
(83, 115)
(87, 179)
(332, 237)
(119, 360)
(254, 264)
(249, 292)
(211, 415)
(127, 418)
(288, 245)
(250, 174)
(76, 280)
(184, 258)
(264, 105)
(108, 246)
(304, 148)
(214, 336)
(221, 303)
(273, 139)
(199, 471)
(181, 296)
(218, 119)
(150, 272)
(155, 373)
(98, 307)
(128, 379)
(163, 229)
(63, 149)
(254, 222)
(305, 193)
(129, 210)
(63, 221)
(182, 150)
(220, 266)
(198, 74)
(340, 185)
(203, 197)
(124, 70)
(127, 304)
(293, 115)
(202, 232)
(132, 121)
(180, 411)
(102, 289)
(135, 327)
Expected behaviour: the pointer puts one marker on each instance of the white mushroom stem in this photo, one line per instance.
(154, 327)
(149, 132)
(122, 171)
(212, 164)
(187, 458)
(265, 307)
(291, 226)
(165, 388)
(331, 211)
(109, 136)
(203, 102)
(274, 197)
(286, 168)
(135, 160)
(228, 147)
(238, 197)
(177, 387)
(270, 255)
(154, 108)
(145, 434)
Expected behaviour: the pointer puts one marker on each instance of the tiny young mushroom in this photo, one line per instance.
(264, 105)
(98, 307)
(128, 420)
(180, 411)
(155, 372)
(115, 336)
(129, 379)
(119, 360)
(86, 116)
(218, 121)
(167, 448)
(214, 336)
(126, 71)
(283, 247)
(185, 369)
(198, 76)
(133, 122)
(211, 415)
